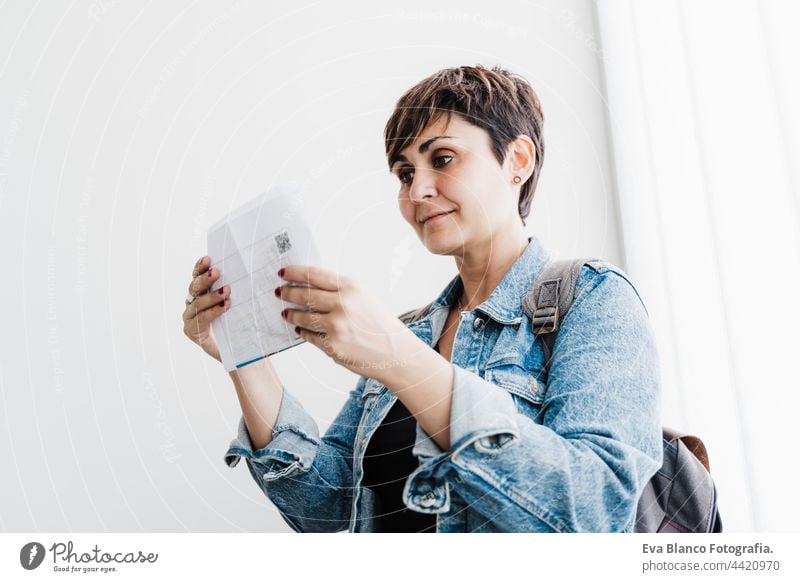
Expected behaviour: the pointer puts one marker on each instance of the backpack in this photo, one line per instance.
(681, 497)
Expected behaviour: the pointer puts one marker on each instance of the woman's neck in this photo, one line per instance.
(484, 265)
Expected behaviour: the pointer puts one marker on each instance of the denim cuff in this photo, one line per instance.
(481, 413)
(426, 489)
(294, 444)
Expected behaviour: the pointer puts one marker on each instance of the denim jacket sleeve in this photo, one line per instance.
(599, 442)
(308, 478)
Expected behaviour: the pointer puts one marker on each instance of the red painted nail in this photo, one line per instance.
(210, 272)
(221, 290)
(297, 329)
(277, 291)
(283, 313)
(281, 271)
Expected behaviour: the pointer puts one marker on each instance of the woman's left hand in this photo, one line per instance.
(346, 321)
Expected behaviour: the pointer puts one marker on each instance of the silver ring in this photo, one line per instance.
(190, 299)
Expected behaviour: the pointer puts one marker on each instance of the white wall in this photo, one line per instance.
(705, 135)
(129, 127)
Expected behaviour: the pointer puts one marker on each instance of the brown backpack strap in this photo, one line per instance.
(693, 443)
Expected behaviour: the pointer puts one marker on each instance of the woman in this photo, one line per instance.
(453, 426)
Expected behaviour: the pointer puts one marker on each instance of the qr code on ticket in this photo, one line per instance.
(283, 242)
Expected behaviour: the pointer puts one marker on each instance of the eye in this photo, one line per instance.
(437, 158)
(405, 176)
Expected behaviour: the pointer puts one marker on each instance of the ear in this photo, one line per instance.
(520, 158)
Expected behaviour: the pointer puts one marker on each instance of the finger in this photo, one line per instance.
(308, 320)
(317, 299)
(206, 301)
(203, 282)
(316, 339)
(204, 318)
(316, 276)
(200, 266)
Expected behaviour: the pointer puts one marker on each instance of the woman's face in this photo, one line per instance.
(453, 192)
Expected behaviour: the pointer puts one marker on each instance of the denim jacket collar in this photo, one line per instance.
(504, 305)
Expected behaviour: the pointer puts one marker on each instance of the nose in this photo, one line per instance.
(423, 186)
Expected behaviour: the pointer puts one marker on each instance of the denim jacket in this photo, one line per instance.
(566, 452)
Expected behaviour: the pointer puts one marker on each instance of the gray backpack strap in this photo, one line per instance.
(550, 297)
(414, 314)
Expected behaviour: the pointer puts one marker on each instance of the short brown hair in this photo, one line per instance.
(500, 102)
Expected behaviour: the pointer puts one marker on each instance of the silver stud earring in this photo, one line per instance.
(517, 179)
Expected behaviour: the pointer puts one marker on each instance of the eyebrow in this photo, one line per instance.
(422, 148)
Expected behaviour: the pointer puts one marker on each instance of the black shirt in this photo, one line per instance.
(388, 461)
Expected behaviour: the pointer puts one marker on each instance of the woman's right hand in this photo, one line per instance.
(199, 314)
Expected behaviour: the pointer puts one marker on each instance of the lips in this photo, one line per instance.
(437, 215)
